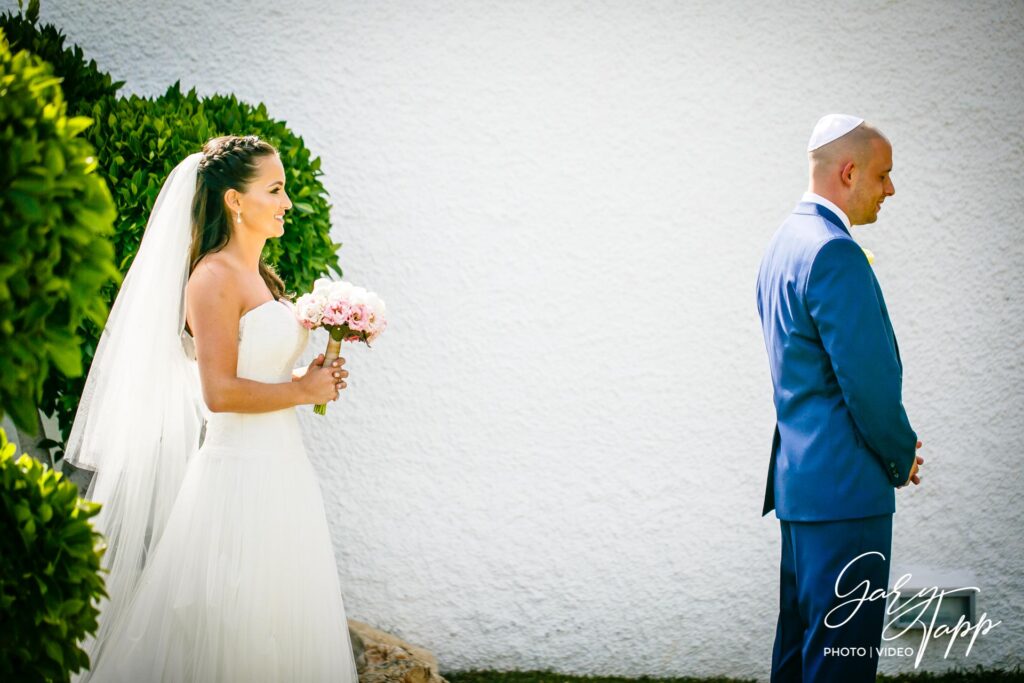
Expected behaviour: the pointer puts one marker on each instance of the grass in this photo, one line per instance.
(977, 675)
(550, 677)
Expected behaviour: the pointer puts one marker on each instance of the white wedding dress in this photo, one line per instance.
(242, 585)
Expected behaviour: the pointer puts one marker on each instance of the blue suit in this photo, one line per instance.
(842, 440)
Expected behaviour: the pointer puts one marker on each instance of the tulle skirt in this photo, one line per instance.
(242, 585)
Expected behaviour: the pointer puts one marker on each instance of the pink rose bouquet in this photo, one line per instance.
(348, 313)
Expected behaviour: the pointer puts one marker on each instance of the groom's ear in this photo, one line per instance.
(846, 173)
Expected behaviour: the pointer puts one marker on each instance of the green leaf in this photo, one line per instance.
(76, 124)
(67, 358)
(72, 606)
(27, 205)
(53, 651)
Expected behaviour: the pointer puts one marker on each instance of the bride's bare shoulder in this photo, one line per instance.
(213, 273)
(212, 288)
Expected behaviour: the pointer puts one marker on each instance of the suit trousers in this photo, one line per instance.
(820, 637)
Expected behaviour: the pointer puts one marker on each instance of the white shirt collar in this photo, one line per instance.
(818, 199)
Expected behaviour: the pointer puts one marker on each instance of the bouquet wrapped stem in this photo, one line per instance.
(338, 334)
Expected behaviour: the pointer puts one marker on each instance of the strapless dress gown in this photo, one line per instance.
(242, 585)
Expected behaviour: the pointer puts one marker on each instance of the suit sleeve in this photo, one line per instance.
(842, 300)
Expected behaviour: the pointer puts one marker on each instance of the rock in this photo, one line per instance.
(384, 658)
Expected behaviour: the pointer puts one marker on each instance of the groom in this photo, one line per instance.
(842, 441)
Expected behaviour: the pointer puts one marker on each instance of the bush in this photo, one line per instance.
(140, 140)
(49, 571)
(83, 83)
(56, 216)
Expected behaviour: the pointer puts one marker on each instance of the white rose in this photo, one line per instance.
(310, 307)
(340, 290)
(376, 304)
(357, 295)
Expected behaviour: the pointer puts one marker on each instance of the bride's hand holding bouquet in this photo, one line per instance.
(320, 381)
(348, 313)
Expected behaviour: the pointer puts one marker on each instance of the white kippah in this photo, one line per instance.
(831, 127)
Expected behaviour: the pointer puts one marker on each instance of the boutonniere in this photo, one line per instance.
(870, 255)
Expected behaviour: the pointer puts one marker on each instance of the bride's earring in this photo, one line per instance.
(238, 216)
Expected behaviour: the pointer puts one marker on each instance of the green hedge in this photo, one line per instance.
(56, 216)
(138, 141)
(50, 573)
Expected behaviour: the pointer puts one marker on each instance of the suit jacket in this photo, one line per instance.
(842, 439)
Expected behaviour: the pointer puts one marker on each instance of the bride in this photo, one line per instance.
(219, 558)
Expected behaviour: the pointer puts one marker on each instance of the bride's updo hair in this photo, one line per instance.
(229, 162)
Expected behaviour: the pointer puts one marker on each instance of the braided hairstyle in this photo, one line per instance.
(229, 162)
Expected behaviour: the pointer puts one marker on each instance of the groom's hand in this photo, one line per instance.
(915, 477)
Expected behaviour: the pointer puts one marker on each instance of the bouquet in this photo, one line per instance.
(348, 313)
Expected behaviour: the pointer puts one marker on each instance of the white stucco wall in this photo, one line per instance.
(556, 455)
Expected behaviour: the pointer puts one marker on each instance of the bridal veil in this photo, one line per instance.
(141, 412)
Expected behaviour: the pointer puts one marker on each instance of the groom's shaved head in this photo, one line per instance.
(857, 146)
(853, 172)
